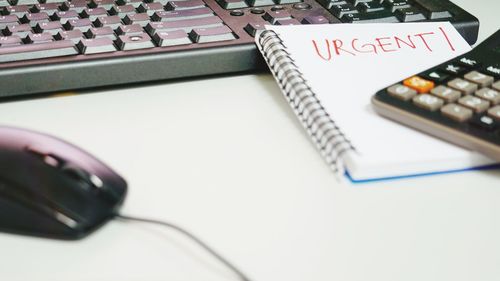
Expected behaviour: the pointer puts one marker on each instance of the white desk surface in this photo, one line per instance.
(226, 158)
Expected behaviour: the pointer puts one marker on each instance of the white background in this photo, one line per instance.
(226, 158)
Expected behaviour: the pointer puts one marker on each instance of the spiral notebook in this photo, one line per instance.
(328, 74)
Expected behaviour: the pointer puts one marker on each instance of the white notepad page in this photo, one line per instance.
(346, 64)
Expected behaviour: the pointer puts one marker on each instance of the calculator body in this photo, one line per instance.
(458, 100)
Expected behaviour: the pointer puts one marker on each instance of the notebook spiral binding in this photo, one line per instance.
(327, 136)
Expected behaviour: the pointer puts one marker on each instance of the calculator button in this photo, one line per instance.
(428, 102)
(494, 112)
(490, 95)
(468, 62)
(474, 103)
(484, 122)
(479, 78)
(447, 94)
(401, 92)
(435, 76)
(466, 87)
(493, 70)
(419, 84)
(456, 112)
(496, 86)
(454, 69)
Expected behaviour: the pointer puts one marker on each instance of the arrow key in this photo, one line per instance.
(434, 75)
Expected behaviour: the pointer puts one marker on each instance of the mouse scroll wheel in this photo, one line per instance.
(83, 176)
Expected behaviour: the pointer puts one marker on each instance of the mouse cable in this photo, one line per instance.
(233, 268)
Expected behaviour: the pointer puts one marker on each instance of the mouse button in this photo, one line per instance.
(85, 178)
(46, 156)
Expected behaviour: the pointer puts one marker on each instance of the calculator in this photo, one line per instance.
(458, 101)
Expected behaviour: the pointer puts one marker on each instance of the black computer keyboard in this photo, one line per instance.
(58, 45)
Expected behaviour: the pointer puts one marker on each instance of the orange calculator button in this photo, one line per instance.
(419, 84)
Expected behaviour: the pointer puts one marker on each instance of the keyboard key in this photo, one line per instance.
(74, 6)
(187, 25)
(21, 30)
(100, 32)
(129, 29)
(490, 95)
(183, 14)
(341, 10)
(19, 11)
(135, 3)
(74, 35)
(173, 38)
(456, 112)
(401, 92)
(26, 2)
(39, 38)
(134, 42)
(476, 104)
(96, 46)
(122, 11)
(150, 8)
(433, 9)
(394, 5)
(48, 8)
(445, 93)
(64, 16)
(318, 19)
(8, 20)
(142, 19)
(183, 5)
(370, 7)
(213, 34)
(106, 4)
(81, 24)
(419, 84)
(466, 87)
(328, 4)
(253, 27)
(94, 13)
(37, 51)
(377, 17)
(232, 4)
(110, 21)
(282, 2)
(288, 22)
(274, 16)
(479, 78)
(53, 1)
(258, 3)
(409, 14)
(13, 40)
(357, 2)
(35, 18)
(428, 102)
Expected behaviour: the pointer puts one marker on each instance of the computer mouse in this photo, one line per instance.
(51, 188)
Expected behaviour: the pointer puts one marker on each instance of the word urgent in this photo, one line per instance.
(329, 48)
